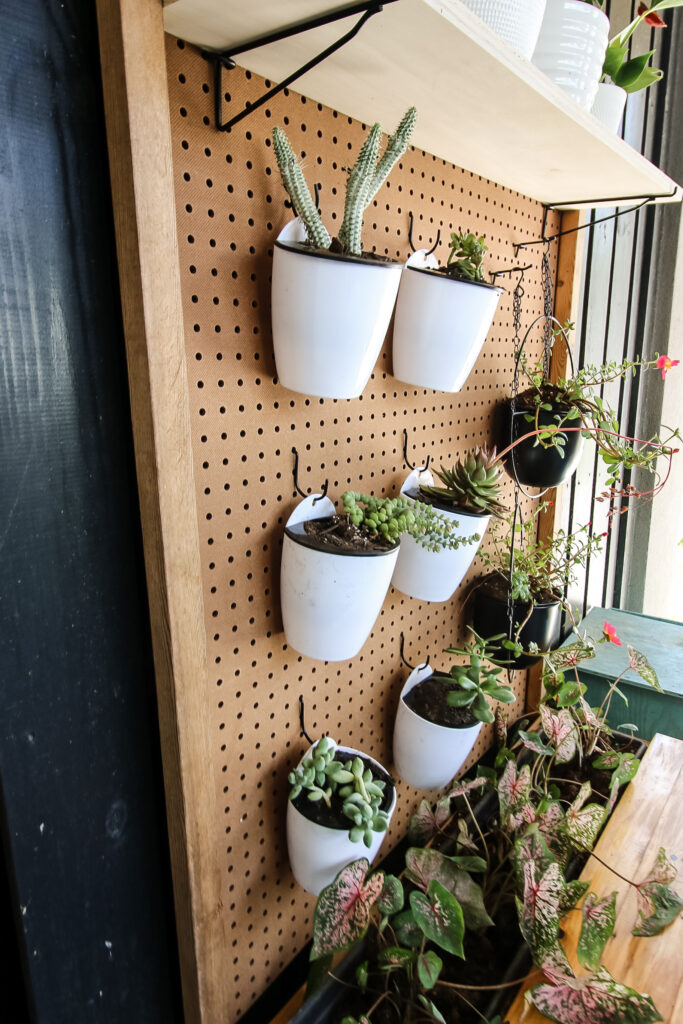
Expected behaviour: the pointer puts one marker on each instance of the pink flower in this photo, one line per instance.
(651, 17)
(664, 364)
(610, 633)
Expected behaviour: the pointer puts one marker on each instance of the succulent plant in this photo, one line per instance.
(350, 781)
(466, 256)
(472, 484)
(364, 181)
(477, 683)
(391, 517)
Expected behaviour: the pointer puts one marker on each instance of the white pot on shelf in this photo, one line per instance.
(330, 315)
(518, 22)
(571, 47)
(318, 853)
(426, 755)
(608, 105)
(435, 575)
(440, 326)
(329, 600)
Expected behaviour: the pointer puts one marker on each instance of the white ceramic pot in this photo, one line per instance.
(608, 105)
(435, 575)
(317, 853)
(426, 755)
(518, 22)
(440, 327)
(329, 601)
(571, 47)
(330, 314)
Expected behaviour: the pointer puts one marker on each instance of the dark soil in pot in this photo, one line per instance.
(336, 253)
(445, 506)
(451, 272)
(332, 816)
(338, 535)
(535, 465)
(490, 617)
(429, 700)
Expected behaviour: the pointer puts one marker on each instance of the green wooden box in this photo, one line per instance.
(661, 641)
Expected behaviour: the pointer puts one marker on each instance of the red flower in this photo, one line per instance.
(651, 17)
(664, 364)
(610, 633)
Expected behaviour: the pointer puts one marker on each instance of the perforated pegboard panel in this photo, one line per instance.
(230, 207)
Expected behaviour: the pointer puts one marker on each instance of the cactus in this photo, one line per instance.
(295, 183)
(473, 484)
(353, 783)
(365, 179)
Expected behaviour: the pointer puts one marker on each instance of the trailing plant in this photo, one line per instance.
(635, 73)
(473, 484)
(364, 180)
(322, 777)
(576, 404)
(477, 682)
(388, 518)
(466, 256)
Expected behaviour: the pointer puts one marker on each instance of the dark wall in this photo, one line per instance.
(85, 850)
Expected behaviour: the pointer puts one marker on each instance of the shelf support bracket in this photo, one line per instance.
(226, 59)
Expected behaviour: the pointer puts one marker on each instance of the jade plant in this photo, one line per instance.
(466, 256)
(477, 683)
(324, 778)
(365, 179)
(464, 874)
(472, 484)
(388, 518)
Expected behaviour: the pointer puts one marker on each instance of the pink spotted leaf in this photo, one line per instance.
(598, 917)
(428, 820)
(639, 663)
(394, 957)
(466, 787)
(429, 968)
(391, 898)
(560, 731)
(538, 911)
(426, 866)
(552, 826)
(342, 913)
(440, 917)
(584, 823)
(658, 904)
(597, 999)
(514, 791)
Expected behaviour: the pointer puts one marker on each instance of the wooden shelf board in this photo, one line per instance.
(480, 105)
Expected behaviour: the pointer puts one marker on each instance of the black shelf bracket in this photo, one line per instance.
(226, 59)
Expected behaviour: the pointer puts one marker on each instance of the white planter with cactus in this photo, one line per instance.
(435, 575)
(317, 853)
(329, 601)
(427, 755)
(331, 303)
(441, 325)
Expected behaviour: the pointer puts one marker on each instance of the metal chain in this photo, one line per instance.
(547, 285)
(517, 296)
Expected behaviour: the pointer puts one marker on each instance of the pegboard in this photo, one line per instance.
(230, 206)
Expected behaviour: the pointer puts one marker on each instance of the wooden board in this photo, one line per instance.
(649, 816)
(481, 105)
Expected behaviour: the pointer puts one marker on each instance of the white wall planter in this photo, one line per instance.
(329, 601)
(330, 314)
(571, 47)
(426, 755)
(608, 105)
(440, 327)
(318, 853)
(518, 22)
(435, 575)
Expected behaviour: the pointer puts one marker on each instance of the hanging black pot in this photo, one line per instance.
(530, 463)
(490, 617)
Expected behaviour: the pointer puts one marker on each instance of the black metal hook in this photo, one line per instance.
(410, 236)
(589, 224)
(405, 453)
(316, 195)
(296, 479)
(301, 720)
(403, 657)
(493, 274)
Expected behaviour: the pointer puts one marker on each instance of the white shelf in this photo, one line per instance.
(480, 105)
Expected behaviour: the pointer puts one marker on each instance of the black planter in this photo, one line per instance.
(534, 465)
(490, 617)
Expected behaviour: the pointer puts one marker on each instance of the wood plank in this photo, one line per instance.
(138, 131)
(649, 816)
(509, 123)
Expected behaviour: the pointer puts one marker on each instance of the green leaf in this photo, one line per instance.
(395, 956)
(598, 917)
(406, 929)
(501, 693)
(631, 70)
(569, 694)
(439, 916)
(474, 864)
(640, 664)
(391, 898)
(429, 968)
(658, 904)
(614, 58)
(425, 866)
(570, 896)
(342, 913)
(533, 741)
(432, 1009)
(458, 699)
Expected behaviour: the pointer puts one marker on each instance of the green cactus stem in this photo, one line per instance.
(295, 183)
(358, 187)
(396, 147)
